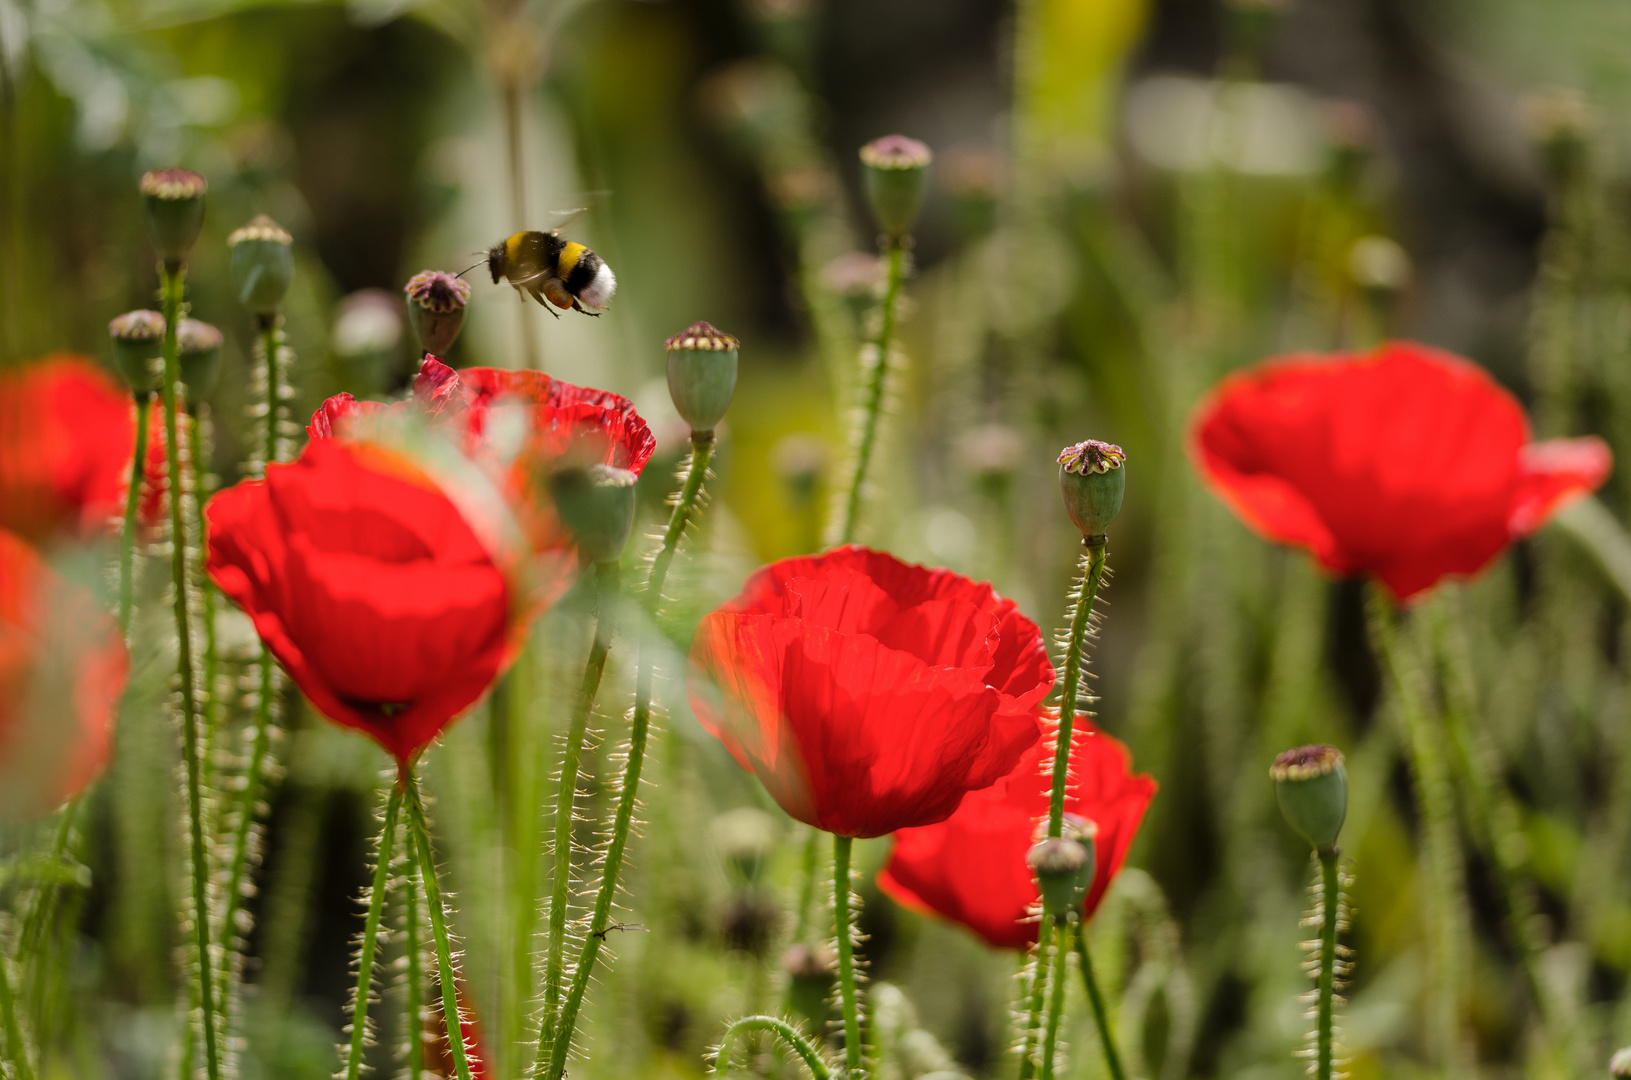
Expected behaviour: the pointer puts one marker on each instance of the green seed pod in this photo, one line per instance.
(262, 264)
(1312, 786)
(701, 374)
(174, 200)
(894, 175)
(597, 505)
(1064, 866)
(436, 305)
(199, 347)
(746, 839)
(138, 342)
(1093, 478)
(811, 972)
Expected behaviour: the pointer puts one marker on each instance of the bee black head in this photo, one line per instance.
(495, 261)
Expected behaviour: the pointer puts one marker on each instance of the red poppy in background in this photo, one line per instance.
(1408, 464)
(66, 437)
(365, 581)
(869, 695)
(971, 867)
(62, 670)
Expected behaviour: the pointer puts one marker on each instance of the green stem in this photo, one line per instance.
(133, 498)
(788, 1033)
(212, 711)
(370, 933)
(438, 928)
(876, 378)
(1101, 1015)
(606, 587)
(1056, 998)
(1038, 992)
(1332, 902)
(415, 1005)
(1092, 576)
(16, 1048)
(173, 279)
(553, 1046)
(846, 955)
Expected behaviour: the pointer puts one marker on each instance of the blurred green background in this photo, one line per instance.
(1129, 199)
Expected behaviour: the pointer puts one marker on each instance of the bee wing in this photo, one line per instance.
(568, 218)
(533, 278)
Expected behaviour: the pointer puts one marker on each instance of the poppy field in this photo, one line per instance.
(1050, 540)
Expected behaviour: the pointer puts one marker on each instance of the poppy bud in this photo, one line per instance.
(1092, 477)
(262, 264)
(1064, 867)
(701, 374)
(1620, 1063)
(138, 341)
(746, 838)
(1312, 786)
(895, 169)
(199, 345)
(597, 506)
(749, 923)
(811, 970)
(436, 303)
(174, 199)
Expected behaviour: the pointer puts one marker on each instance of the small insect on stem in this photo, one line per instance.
(601, 934)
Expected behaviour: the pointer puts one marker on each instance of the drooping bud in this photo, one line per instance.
(138, 341)
(1311, 784)
(436, 303)
(199, 348)
(1064, 866)
(1620, 1063)
(596, 505)
(701, 374)
(174, 199)
(1093, 478)
(262, 264)
(894, 174)
(745, 838)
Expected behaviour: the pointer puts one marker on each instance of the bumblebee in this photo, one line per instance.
(553, 271)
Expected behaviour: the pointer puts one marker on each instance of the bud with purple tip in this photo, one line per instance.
(1311, 784)
(138, 341)
(262, 264)
(436, 305)
(1064, 866)
(199, 349)
(895, 169)
(701, 374)
(1093, 478)
(174, 200)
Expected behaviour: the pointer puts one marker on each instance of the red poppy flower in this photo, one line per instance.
(867, 694)
(153, 505)
(971, 868)
(365, 581)
(1408, 464)
(66, 436)
(62, 670)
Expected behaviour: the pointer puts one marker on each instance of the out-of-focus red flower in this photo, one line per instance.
(365, 581)
(869, 695)
(971, 867)
(1408, 464)
(439, 1061)
(153, 505)
(62, 670)
(66, 436)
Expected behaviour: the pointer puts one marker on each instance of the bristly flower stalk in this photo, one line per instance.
(369, 941)
(419, 834)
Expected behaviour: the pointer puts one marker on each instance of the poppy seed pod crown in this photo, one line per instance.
(701, 374)
(1064, 868)
(262, 264)
(138, 340)
(1092, 479)
(895, 168)
(1311, 784)
(436, 305)
(199, 346)
(174, 200)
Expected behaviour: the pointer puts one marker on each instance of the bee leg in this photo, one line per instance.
(538, 295)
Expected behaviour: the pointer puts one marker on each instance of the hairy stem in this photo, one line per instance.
(1092, 576)
(785, 1031)
(438, 928)
(606, 587)
(370, 933)
(1332, 896)
(212, 711)
(16, 1048)
(1101, 1015)
(875, 378)
(1038, 992)
(846, 955)
(127, 536)
(205, 981)
(553, 1046)
(414, 1006)
(1056, 998)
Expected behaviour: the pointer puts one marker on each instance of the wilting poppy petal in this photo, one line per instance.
(868, 694)
(970, 868)
(1408, 464)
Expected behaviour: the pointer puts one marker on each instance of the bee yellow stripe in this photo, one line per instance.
(570, 254)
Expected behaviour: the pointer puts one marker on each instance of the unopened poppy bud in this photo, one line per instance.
(262, 264)
(174, 199)
(1093, 478)
(436, 304)
(597, 505)
(746, 838)
(811, 971)
(895, 171)
(1620, 1063)
(1064, 869)
(701, 374)
(1312, 786)
(199, 347)
(138, 341)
